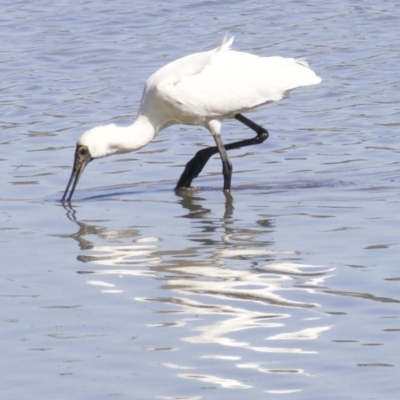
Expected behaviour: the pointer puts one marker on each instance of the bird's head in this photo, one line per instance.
(104, 141)
(89, 146)
(81, 159)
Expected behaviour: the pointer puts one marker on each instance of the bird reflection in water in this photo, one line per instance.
(231, 284)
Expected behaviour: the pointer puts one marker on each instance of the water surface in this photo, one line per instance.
(288, 290)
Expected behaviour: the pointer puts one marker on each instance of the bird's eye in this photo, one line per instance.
(82, 151)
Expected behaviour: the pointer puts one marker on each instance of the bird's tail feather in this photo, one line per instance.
(226, 42)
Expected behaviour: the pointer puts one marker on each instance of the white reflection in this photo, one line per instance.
(245, 284)
(105, 284)
(122, 272)
(215, 380)
(227, 292)
(228, 253)
(100, 283)
(282, 350)
(175, 366)
(124, 255)
(235, 320)
(304, 334)
(219, 357)
(270, 286)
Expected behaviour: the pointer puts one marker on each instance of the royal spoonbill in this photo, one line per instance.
(199, 89)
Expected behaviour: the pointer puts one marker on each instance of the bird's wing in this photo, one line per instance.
(229, 82)
(193, 64)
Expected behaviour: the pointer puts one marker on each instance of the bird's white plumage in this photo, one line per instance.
(220, 83)
(199, 89)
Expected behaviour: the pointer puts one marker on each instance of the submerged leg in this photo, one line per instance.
(197, 163)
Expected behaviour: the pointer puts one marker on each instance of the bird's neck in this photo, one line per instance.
(133, 137)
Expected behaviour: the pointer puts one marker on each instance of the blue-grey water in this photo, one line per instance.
(291, 290)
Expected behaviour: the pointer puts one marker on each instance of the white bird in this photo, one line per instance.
(199, 89)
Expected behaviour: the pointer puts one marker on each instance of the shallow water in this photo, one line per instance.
(290, 289)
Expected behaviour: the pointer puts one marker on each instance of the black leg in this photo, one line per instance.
(197, 163)
(226, 164)
(195, 166)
